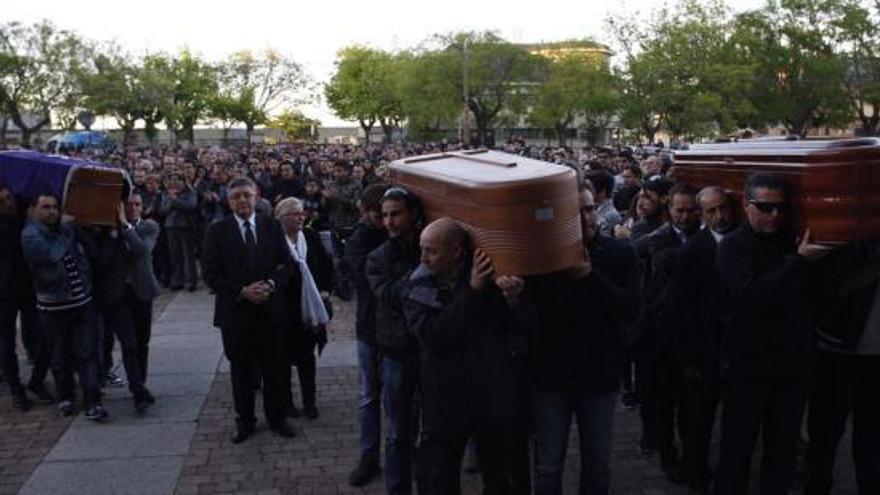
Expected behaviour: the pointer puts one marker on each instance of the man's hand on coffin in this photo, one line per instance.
(481, 272)
(65, 218)
(511, 287)
(120, 213)
(810, 251)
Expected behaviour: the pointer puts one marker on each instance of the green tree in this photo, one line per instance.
(431, 104)
(295, 125)
(251, 86)
(574, 86)
(363, 89)
(39, 67)
(500, 76)
(194, 89)
(798, 77)
(856, 31)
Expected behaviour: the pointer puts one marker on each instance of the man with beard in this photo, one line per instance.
(698, 335)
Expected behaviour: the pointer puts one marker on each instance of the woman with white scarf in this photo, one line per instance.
(306, 303)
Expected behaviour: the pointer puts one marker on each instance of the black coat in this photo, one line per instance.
(110, 268)
(15, 278)
(386, 270)
(578, 341)
(698, 298)
(466, 371)
(768, 307)
(364, 239)
(227, 275)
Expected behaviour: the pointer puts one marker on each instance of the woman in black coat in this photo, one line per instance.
(308, 308)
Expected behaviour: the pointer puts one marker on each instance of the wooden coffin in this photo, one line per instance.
(92, 195)
(524, 213)
(835, 183)
(89, 191)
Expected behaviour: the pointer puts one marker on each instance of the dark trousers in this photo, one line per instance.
(844, 386)
(74, 339)
(9, 310)
(142, 314)
(119, 323)
(700, 404)
(646, 389)
(671, 416)
(303, 357)
(258, 344)
(773, 407)
(181, 248)
(443, 451)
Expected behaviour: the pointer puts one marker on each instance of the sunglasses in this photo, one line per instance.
(395, 192)
(768, 206)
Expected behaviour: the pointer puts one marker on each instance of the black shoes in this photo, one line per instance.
(192, 288)
(284, 430)
(143, 400)
(66, 408)
(21, 402)
(366, 471)
(43, 395)
(96, 413)
(292, 411)
(310, 412)
(242, 433)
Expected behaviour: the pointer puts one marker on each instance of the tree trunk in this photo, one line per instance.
(367, 127)
(249, 130)
(4, 125)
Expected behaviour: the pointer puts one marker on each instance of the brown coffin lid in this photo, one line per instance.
(772, 152)
(488, 177)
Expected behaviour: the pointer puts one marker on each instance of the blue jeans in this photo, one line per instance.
(369, 412)
(595, 417)
(399, 378)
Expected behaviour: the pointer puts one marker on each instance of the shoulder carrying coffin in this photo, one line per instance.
(835, 183)
(524, 213)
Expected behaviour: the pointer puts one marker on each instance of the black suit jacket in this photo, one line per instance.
(698, 298)
(226, 272)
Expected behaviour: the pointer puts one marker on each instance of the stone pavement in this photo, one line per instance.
(182, 444)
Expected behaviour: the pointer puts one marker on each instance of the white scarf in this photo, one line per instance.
(313, 311)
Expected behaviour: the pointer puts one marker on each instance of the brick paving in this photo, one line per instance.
(27, 437)
(319, 459)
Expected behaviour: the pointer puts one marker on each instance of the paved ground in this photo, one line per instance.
(182, 445)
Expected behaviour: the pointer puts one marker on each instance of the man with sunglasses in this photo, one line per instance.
(768, 294)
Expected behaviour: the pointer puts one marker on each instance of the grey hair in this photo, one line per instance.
(286, 204)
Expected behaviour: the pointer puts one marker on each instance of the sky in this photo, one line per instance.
(313, 31)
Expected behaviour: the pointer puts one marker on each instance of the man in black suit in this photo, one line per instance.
(661, 318)
(247, 263)
(770, 294)
(698, 336)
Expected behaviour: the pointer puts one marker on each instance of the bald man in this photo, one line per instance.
(461, 322)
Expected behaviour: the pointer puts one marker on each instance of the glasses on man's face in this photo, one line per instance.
(768, 207)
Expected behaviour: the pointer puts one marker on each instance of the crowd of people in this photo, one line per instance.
(690, 304)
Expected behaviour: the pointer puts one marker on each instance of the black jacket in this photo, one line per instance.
(226, 273)
(849, 276)
(768, 306)
(698, 299)
(578, 342)
(386, 270)
(465, 367)
(15, 278)
(110, 267)
(364, 239)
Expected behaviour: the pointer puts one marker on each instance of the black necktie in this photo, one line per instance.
(250, 244)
